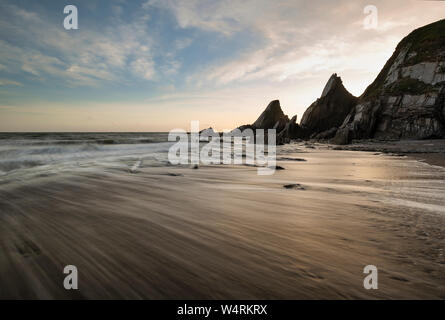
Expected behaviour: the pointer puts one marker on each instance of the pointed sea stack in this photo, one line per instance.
(272, 118)
(325, 115)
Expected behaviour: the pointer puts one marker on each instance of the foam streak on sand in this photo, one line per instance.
(225, 232)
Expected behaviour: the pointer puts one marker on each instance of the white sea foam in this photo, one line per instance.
(22, 155)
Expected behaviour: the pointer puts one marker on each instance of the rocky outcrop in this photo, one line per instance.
(325, 135)
(326, 114)
(207, 132)
(291, 131)
(272, 118)
(358, 124)
(406, 101)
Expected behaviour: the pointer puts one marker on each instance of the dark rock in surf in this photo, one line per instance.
(295, 186)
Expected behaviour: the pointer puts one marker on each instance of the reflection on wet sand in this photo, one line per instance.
(225, 232)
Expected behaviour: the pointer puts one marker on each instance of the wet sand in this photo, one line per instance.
(428, 151)
(227, 233)
(435, 159)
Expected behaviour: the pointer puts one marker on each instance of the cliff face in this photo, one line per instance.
(326, 114)
(406, 101)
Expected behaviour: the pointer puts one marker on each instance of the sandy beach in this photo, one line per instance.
(223, 232)
(428, 151)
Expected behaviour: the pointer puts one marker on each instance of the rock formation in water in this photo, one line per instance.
(406, 101)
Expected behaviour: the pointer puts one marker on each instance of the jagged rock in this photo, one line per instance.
(330, 110)
(245, 126)
(272, 118)
(359, 123)
(406, 101)
(204, 135)
(208, 131)
(328, 134)
(291, 131)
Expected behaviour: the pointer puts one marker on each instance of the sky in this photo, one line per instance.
(156, 65)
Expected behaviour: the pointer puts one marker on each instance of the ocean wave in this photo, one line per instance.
(83, 141)
(6, 166)
(24, 152)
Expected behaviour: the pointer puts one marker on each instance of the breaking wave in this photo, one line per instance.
(25, 153)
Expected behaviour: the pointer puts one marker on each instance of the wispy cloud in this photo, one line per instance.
(81, 57)
(143, 68)
(183, 43)
(6, 82)
(300, 39)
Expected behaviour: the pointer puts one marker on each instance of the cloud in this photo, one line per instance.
(300, 40)
(295, 40)
(6, 82)
(143, 68)
(183, 43)
(81, 57)
(207, 15)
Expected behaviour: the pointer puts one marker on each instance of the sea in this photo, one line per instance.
(25, 155)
